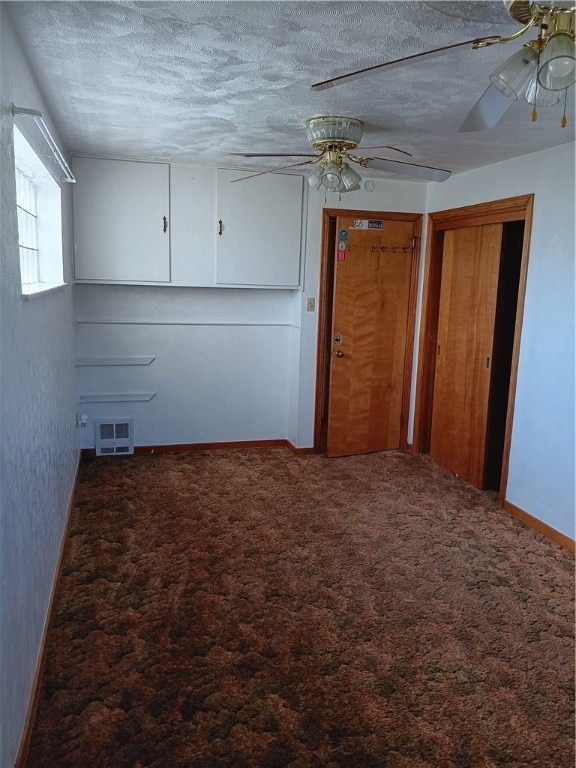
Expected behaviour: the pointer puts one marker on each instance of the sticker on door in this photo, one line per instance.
(367, 224)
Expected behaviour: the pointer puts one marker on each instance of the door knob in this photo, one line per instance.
(339, 353)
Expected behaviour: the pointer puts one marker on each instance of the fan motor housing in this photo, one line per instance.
(341, 132)
(520, 10)
(523, 11)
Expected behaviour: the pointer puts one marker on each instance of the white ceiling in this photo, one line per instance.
(194, 81)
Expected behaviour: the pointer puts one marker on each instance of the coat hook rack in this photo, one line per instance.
(41, 123)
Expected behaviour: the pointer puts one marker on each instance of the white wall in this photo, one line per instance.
(37, 422)
(542, 457)
(222, 361)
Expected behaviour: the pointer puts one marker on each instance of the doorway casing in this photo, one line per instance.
(499, 211)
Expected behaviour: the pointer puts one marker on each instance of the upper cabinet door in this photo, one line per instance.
(261, 224)
(121, 220)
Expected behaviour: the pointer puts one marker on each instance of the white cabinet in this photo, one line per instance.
(137, 222)
(120, 234)
(261, 230)
(193, 225)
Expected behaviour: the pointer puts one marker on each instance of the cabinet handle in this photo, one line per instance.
(220, 227)
(165, 220)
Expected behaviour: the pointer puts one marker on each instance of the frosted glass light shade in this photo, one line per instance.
(535, 94)
(315, 178)
(515, 73)
(557, 63)
(331, 176)
(323, 129)
(350, 179)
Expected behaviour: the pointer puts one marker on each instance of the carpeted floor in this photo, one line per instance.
(254, 609)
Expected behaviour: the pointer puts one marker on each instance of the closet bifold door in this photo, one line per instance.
(468, 296)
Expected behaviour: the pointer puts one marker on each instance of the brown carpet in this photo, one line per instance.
(254, 609)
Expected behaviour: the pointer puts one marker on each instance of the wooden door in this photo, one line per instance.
(468, 294)
(369, 335)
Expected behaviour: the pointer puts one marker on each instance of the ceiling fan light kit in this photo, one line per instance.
(545, 67)
(334, 175)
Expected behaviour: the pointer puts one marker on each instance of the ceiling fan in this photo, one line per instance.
(541, 71)
(335, 139)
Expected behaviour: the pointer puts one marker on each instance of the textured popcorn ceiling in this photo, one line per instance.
(193, 81)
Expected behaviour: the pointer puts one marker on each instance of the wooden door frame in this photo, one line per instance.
(324, 322)
(495, 212)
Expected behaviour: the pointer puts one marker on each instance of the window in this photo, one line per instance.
(39, 208)
(27, 228)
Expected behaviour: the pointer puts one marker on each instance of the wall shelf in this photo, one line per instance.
(116, 360)
(120, 397)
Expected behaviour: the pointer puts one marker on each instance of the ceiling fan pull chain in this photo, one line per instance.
(543, 27)
(564, 120)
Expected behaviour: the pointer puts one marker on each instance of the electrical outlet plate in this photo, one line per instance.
(310, 304)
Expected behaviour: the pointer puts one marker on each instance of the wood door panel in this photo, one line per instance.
(371, 301)
(468, 293)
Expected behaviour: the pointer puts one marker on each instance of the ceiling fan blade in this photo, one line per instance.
(273, 170)
(424, 172)
(272, 154)
(487, 111)
(398, 63)
(386, 146)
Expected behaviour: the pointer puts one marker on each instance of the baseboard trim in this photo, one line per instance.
(36, 684)
(538, 525)
(300, 451)
(191, 447)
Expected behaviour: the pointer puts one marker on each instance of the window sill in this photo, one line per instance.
(41, 289)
